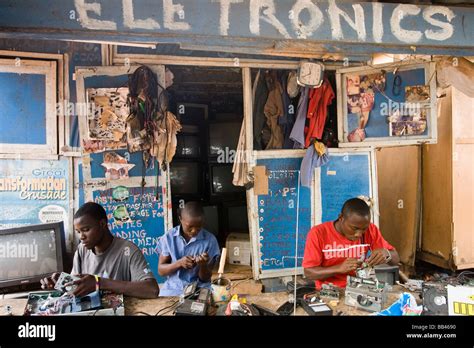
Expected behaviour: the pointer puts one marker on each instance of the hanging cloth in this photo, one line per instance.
(316, 156)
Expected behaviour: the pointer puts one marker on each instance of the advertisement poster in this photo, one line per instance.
(33, 192)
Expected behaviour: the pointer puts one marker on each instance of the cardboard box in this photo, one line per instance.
(238, 249)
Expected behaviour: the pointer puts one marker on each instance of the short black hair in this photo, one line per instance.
(355, 206)
(193, 209)
(93, 210)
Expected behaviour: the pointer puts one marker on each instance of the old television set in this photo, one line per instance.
(185, 178)
(30, 253)
(188, 146)
(221, 180)
(223, 137)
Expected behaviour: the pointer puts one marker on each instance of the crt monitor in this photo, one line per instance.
(30, 253)
(223, 137)
(185, 178)
(221, 180)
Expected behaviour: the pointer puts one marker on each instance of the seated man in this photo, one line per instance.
(187, 252)
(106, 262)
(334, 249)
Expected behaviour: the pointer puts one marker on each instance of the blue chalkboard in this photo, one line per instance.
(277, 215)
(345, 176)
(146, 223)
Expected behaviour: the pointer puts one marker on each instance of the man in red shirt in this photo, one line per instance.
(334, 249)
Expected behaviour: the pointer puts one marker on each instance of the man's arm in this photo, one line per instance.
(205, 268)
(319, 273)
(379, 256)
(147, 288)
(166, 267)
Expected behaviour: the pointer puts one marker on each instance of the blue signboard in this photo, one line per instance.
(135, 214)
(250, 23)
(286, 205)
(345, 176)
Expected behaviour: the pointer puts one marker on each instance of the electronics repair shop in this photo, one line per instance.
(277, 117)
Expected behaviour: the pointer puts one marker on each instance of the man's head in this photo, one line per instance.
(90, 221)
(354, 218)
(191, 218)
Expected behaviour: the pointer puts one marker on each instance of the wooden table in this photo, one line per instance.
(269, 300)
(135, 306)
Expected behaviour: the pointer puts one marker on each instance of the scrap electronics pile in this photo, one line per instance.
(449, 295)
(62, 302)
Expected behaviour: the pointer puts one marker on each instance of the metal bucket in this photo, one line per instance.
(220, 289)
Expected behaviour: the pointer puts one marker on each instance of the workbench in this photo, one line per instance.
(164, 305)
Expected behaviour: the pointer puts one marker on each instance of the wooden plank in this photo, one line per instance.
(463, 179)
(437, 181)
(398, 171)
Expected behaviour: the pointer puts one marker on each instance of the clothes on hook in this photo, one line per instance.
(273, 110)
(316, 156)
(297, 133)
(319, 100)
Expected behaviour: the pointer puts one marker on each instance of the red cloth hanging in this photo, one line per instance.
(319, 100)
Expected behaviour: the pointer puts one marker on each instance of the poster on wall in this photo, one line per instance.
(107, 113)
(34, 192)
(136, 214)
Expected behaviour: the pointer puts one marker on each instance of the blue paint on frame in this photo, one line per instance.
(344, 177)
(22, 109)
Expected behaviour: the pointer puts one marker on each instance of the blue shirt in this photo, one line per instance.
(173, 244)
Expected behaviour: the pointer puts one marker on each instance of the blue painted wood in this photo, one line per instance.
(80, 54)
(345, 176)
(22, 107)
(277, 215)
(98, 171)
(205, 20)
(147, 220)
(378, 125)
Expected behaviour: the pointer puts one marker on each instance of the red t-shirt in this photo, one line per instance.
(326, 247)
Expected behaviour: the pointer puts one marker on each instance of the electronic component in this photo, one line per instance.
(301, 289)
(65, 278)
(190, 290)
(315, 308)
(287, 308)
(435, 298)
(264, 311)
(330, 292)
(461, 299)
(195, 307)
(365, 293)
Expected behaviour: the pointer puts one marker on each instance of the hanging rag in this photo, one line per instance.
(297, 133)
(316, 156)
(240, 167)
(260, 96)
(287, 120)
(165, 139)
(273, 111)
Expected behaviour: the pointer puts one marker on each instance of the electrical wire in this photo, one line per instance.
(296, 243)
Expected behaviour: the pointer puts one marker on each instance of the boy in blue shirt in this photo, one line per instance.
(187, 252)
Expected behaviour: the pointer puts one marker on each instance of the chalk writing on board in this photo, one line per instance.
(146, 223)
(278, 212)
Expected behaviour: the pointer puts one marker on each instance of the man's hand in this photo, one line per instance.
(186, 262)
(84, 286)
(49, 282)
(202, 259)
(348, 265)
(378, 256)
